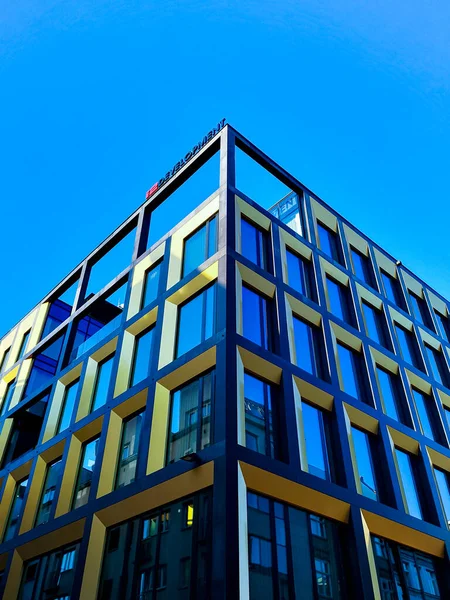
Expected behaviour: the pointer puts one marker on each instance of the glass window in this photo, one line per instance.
(363, 455)
(411, 496)
(141, 358)
(376, 325)
(129, 448)
(420, 310)
(340, 301)
(439, 368)
(390, 387)
(12, 524)
(9, 393)
(86, 469)
(23, 345)
(392, 289)
(190, 418)
(48, 494)
(447, 416)
(45, 365)
(309, 348)
(259, 416)
(352, 372)
(329, 242)
(362, 267)
(151, 285)
(254, 244)
(444, 326)
(424, 405)
(5, 359)
(408, 347)
(68, 405)
(196, 320)
(442, 481)
(102, 382)
(315, 441)
(299, 274)
(200, 245)
(255, 317)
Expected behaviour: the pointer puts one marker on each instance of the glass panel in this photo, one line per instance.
(304, 346)
(374, 324)
(183, 421)
(315, 442)
(423, 407)
(151, 285)
(192, 329)
(347, 365)
(23, 345)
(445, 328)
(444, 492)
(210, 312)
(328, 242)
(10, 389)
(102, 383)
(388, 390)
(391, 288)
(361, 265)
(142, 353)
(253, 243)
(254, 317)
(194, 250)
(208, 384)
(129, 450)
(258, 416)
(363, 455)
(48, 495)
(417, 309)
(5, 359)
(405, 340)
(70, 395)
(212, 236)
(87, 466)
(16, 510)
(408, 484)
(339, 300)
(438, 367)
(296, 273)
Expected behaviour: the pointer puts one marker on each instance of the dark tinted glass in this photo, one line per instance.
(309, 350)
(329, 242)
(299, 274)
(375, 324)
(392, 289)
(129, 448)
(351, 365)
(87, 466)
(15, 512)
(259, 416)
(407, 346)
(102, 383)
(362, 267)
(340, 301)
(70, 395)
(254, 243)
(255, 317)
(142, 352)
(48, 495)
(420, 310)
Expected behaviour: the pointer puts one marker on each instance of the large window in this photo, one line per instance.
(362, 267)
(151, 285)
(254, 243)
(407, 467)
(442, 480)
(12, 524)
(316, 430)
(261, 426)
(362, 444)
(329, 243)
(50, 575)
(102, 382)
(353, 375)
(444, 326)
(256, 317)
(190, 417)
(23, 344)
(391, 394)
(86, 469)
(392, 289)
(439, 369)
(300, 274)
(408, 346)
(425, 409)
(340, 300)
(129, 450)
(420, 310)
(405, 573)
(68, 405)
(141, 358)
(200, 245)
(162, 554)
(292, 554)
(196, 320)
(9, 393)
(376, 325)
(48, 493)
(309, 348)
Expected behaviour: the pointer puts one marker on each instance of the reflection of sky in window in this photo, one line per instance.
(404, 341)
(371, 316)
(409, 486)
(303, 345)
(315, 451)
(335, 298)
(253, 389)
(251, 316)
(422, 408)
(388, 393)
(347, 371)
(296, 276)
(364, 463)
(444, 492)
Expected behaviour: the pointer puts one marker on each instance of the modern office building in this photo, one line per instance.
(255, 405)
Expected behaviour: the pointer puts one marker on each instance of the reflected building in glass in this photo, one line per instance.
(237, 394)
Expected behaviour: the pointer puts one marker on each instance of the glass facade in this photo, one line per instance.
(261, 427)
(256, 317)
(46, 504)
(315, 426)
(151, 284)
(68, 405)
(352, 367)
(129, 450)
(190, 418)
(406, 469)
(12, 523)
(329, 242)
(340, 301)
(196, 320)
(200, 245)
(102, 382)
(85, 473)
(309, 348)
(392, 289)
(141, 358)
(364, 463)
(254, 244)
(300, 275)
(376, 325)
(408, 346)
(362, 267)
(390, 392)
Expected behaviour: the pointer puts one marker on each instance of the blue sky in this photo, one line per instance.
(100, 98)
